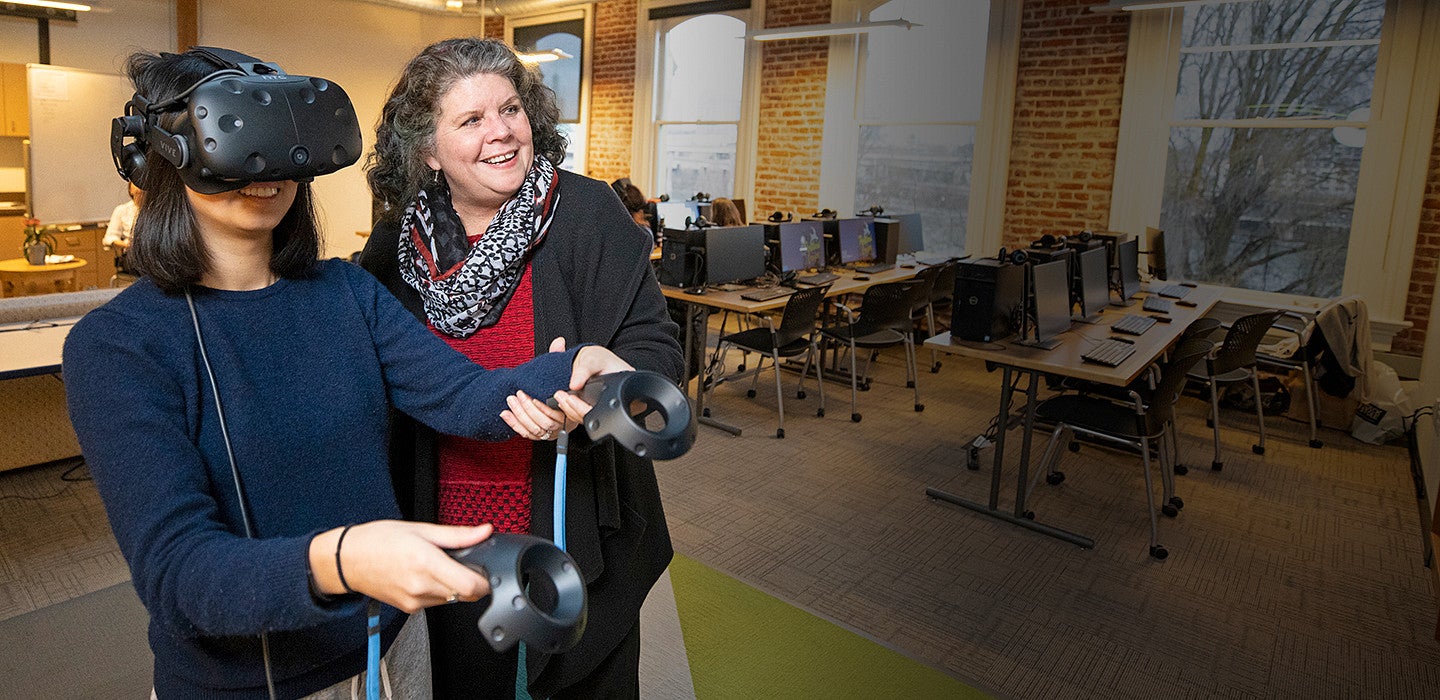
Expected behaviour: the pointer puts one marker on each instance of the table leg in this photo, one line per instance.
(696, 351)
(1023, 478)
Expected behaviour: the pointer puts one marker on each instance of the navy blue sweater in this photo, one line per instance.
(306, 369)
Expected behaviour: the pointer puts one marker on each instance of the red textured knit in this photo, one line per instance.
(489, 482)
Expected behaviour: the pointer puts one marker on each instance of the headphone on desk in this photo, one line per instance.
(874, 210)
(1017, 257)
(780, 217)
(824, 214)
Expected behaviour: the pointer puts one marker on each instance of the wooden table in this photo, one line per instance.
(849, 282)
(18, 278)
(1064, 360)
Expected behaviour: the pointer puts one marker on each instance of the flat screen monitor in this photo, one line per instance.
(673, 214)
(1155, 251)
(857, 240)
(734, 253)
(912, 239)
(802, 245)
(1050, 294)
(1130, 269)
(1094, 283)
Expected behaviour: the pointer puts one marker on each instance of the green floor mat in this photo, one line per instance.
(743, 643)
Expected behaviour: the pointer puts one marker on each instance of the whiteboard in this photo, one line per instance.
(72, 177)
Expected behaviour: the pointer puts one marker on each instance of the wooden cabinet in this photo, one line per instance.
(84, 243)
(14, 101)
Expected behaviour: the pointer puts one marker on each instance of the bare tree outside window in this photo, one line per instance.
(1269, 125)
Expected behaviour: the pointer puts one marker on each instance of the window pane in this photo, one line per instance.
(701, 70)
(1266, 209)
(1329, 82)
(696, 158)
(562, 75)
(931, 73)
(923, 169)
(574, 147)
(1282, 21)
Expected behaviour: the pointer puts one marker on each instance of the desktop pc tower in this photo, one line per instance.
(682, 258)
(986, 293)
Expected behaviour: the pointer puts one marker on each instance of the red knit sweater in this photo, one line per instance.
(489, 482)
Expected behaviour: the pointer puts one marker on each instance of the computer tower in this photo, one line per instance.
(887, 239)
(682, 258)
(988, 296)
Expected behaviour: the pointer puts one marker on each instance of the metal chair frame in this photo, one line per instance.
(882, 321)
(796, 333)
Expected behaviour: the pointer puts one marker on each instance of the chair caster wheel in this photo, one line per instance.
(909, 385)
(780, 434)
(1028, 515)
(750, 393)
(972, 459)
(740, 367)
(1216, 466)
(1175, 501)
(1181, 469)
(1209, 423)
(864, 386)
(799, 394)
(1257, 449)
(935, 369)
(705, 413)
(1316, 444)
(1159, 552)
(855, 417)
(1169, 510)
(919, 407)
(820, 413)
(1055, 478)
(1074, 446)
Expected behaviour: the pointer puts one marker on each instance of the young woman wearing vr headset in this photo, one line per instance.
(233, 405)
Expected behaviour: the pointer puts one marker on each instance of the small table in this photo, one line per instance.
(18, 278)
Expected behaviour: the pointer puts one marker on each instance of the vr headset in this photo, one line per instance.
(248, 121)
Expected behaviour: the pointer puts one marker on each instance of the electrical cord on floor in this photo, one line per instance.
(65, 477)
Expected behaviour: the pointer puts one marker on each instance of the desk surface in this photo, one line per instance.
(30, 349)
(23, 265)
(1065, 359)
(731, 301)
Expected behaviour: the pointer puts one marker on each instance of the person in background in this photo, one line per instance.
(498, 251)
(256, 528)
(634, 201)
(723, 212)
(122, 222)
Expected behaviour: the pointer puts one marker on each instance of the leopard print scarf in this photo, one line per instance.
(464, 287)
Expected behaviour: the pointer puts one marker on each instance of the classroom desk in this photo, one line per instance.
(31, 349)
(715, 300)
(1064, 360)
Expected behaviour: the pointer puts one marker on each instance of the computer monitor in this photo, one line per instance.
(856, 238)
(801, 245)
(734, 253)
(673, 214)
(1155, 252)
(1050, 302)
(912, 238)
(1129, 252)
(1094, 274)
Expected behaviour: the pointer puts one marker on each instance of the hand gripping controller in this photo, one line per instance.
(536, 593)
(624, 405)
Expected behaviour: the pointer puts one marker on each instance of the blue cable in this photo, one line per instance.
(562, 448)
(372, 664)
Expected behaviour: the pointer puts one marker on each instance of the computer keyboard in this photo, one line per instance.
(872, 269)
(1132, 324)
(1158, 305)
(817, 278)
(1174, 291)
(766, 293)
(1109, 352)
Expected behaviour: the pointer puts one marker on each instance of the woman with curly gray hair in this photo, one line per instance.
(503, 254)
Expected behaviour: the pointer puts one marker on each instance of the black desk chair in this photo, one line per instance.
(883, 321)
(1145, 417)
(796, 334)
(1234, 360)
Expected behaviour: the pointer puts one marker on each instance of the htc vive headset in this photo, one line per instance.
(248, 121)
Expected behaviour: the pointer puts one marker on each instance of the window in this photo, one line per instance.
(697, 138)
(557, 46)
(918, 120)
(1276, 143)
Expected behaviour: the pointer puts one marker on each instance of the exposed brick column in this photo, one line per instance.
(612, 95)
(1427, 251)
(792, 112)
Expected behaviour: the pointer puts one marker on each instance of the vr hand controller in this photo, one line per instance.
(625, 404)
(536, 593)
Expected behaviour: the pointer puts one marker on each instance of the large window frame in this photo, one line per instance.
(646, 135)
(587, 63)
(991, 164)
(1392, 169)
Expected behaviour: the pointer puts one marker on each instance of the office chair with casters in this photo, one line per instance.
(1134, 424)
(1233, 359)
(883, 321)
(941, 295)
(794, 335)
(1298, 325)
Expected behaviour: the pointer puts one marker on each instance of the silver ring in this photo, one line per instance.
(454, 598)
(546, 436)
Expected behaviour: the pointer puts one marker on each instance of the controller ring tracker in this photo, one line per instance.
(522, 568)
(615, 398)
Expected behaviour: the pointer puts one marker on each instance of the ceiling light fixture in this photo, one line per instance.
(1134, 5)
(543, 56)
(73, 7)
(835, 29)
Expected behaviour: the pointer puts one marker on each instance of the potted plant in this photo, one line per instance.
(38, 243)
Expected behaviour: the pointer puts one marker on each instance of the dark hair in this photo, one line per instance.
(168, 247)
(631, 197)
(396, 167)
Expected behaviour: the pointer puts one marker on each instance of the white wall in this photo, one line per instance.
(358, 45)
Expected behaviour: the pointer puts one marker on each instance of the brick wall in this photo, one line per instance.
(612, 98)
(792, 111)
(1067, 119)
(1427, 252)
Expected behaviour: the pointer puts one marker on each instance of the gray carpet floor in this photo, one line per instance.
(1295, 574)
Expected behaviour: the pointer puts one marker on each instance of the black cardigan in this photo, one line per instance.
(592, 284)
